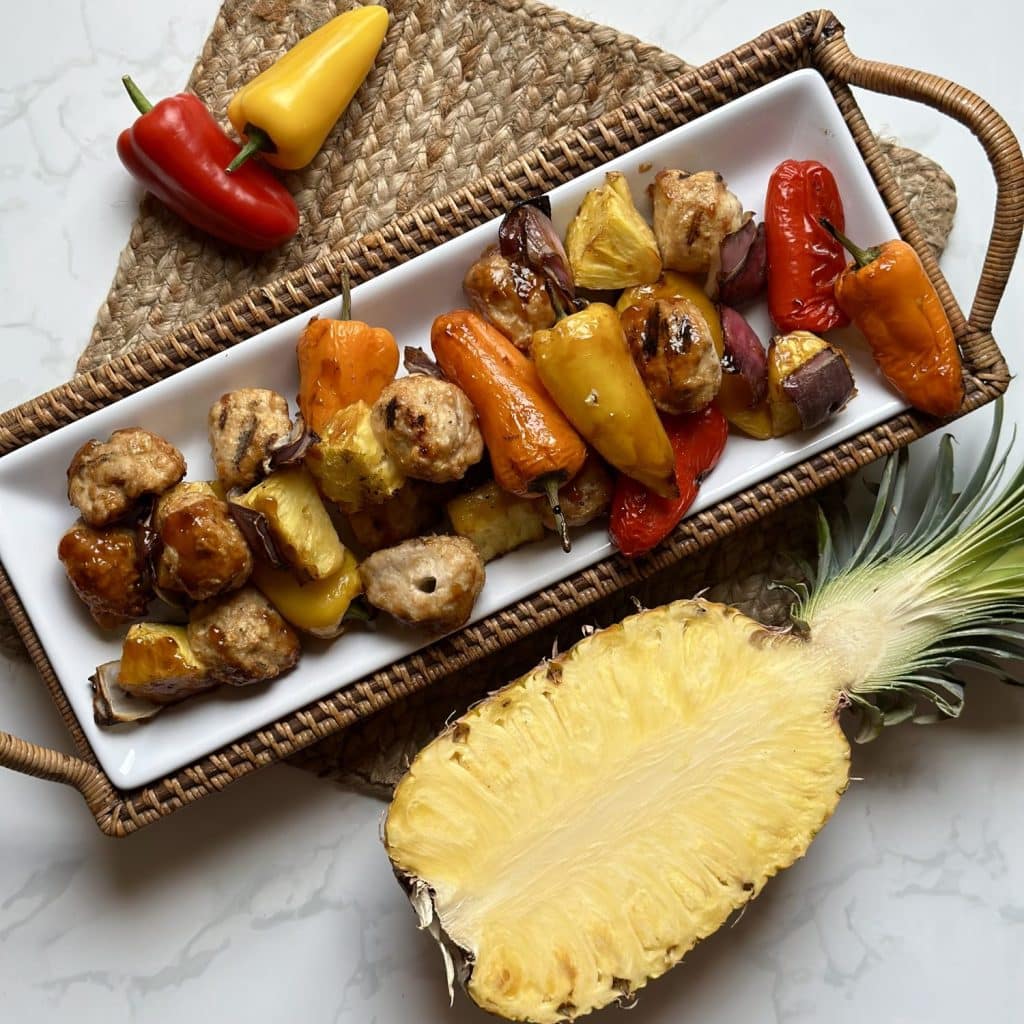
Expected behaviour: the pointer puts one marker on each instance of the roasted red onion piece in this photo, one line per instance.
(819, 388)
(290, 450)
(744, 271)
(256, 531)
(527, 236)
(113, 706)
(744, 353)
(415, 360)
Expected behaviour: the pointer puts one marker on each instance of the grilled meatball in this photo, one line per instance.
(107, 570)
(203, 553)
(692, 214)
(244, 425)
(512, 296)
(673, 349)
(242, 639)
(432, 582)
(585, 497)
(106, 478)
(428, 427)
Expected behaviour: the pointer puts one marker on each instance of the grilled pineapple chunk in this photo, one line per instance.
(299, 523)
(352, 467)
(495, 521)
(158, 663)
(608, 243)
(317, 607)
(574, 834)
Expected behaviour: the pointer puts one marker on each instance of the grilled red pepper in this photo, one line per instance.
(178, 152)
(804, 260)
(640, 518)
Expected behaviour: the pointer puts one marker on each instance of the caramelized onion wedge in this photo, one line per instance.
(290, 450)
(743, 353)
(820, 388)
(111, 705)
(256, 531)
(527, 236)
(744, 264)
(415, 360)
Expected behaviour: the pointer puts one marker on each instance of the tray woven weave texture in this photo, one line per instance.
(460, 89)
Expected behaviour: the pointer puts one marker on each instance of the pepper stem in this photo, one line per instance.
(138, 97)
(346, 296)
(551, 491)
(862, 257)
(258, 141)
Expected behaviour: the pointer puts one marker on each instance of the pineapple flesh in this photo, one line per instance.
(574, 835)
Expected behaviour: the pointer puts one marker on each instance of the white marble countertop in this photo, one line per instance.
(274, 901)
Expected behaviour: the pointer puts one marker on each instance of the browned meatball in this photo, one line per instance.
(673, 349)
(242, 639)
(512, 296)
(585, 497)
(692, 214)
(203, 553)
(431, 582)
(429, 428)
(106, 568)
(106, 478)
(243, 426)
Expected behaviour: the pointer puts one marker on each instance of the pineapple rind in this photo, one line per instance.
(587, 825)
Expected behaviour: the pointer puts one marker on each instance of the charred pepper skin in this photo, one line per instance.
(178, 152)
(803, 259)
(888, 295)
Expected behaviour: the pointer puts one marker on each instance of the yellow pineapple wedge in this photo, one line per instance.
(576, 833)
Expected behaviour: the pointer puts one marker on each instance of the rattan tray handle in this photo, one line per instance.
(834, 56)
(1000, 145)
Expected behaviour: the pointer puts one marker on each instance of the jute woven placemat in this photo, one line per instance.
(460, 88)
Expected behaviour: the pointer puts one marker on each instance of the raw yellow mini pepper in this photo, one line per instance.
(584, 363)
(286, 112)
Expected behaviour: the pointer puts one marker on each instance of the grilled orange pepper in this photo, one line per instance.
(533, 447)
(342, 362)
(889, 296)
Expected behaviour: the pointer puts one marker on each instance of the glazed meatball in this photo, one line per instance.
(512, 296)
(429, 428)
(244, 425)
(672, 347)
(202, 553)
(107, 570)
(692, 214)
(107, 478)
(584, 498)
(431, 582)
(242, 639)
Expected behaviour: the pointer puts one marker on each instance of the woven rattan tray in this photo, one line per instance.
(813, 40)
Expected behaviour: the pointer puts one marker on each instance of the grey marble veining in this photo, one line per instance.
(274, 901)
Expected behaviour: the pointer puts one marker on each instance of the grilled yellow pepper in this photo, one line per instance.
(286, 112)
(584, 363)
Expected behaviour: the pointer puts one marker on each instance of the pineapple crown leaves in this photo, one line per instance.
(940, 593)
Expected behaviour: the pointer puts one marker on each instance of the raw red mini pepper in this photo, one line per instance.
(803, 258)
(178, 152)
(639, 517)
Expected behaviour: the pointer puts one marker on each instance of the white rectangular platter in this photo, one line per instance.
(794, 117)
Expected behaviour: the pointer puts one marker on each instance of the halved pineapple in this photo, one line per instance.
(299, 522)
(575, 834)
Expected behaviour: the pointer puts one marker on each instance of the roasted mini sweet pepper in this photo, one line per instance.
(178, 152)
(286, 112)
(533, 447)
(585, 364)
(803, 261)
(342, 362)
(640, 519)
(889, 296)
